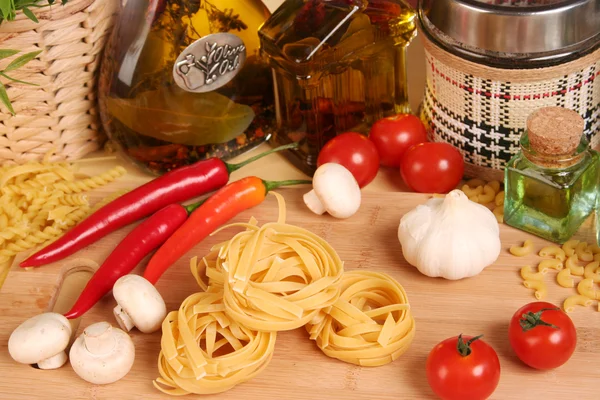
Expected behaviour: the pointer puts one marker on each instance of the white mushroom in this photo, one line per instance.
(102, 354)
(41, 340)
(138, 304)
(334, 191)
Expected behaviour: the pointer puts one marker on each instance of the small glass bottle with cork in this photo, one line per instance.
(551, 185)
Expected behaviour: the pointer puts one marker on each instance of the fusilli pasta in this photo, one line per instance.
(41, 200)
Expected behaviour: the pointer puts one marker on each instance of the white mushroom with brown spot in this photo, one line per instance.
(335, 191)
(102, 354)
(139, 304)
(41, 340)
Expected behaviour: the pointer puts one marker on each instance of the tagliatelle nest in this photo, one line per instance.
(369, 325)
(275, 277)
(204, 352)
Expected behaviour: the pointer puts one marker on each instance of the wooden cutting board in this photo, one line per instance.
(480, 305)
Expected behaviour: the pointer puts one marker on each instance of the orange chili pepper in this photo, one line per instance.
(225, 204)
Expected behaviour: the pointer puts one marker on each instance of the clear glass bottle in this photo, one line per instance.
(551, 186)
(338, 65)
(183, 80)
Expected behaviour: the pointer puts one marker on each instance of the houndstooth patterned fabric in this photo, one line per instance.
(484, 119)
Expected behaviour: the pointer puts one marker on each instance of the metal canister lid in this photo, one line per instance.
(542, 30)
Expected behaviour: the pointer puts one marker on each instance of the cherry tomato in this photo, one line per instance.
(394, 135)
(355, 152)
(542, 335)
(463, 367)
(432, 167)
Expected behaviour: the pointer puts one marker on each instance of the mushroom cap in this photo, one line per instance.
(113, 357)
(141, 301)
(39, 338)
(337, 189)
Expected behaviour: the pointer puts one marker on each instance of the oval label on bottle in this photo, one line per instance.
(209, 62)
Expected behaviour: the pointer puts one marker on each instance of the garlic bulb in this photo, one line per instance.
(450, 237)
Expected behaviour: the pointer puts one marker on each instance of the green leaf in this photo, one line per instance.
(5, 8)
(5, 53)
(29, 14)
(4, 98)
(21, 60)
(177, 116)
(17, 80)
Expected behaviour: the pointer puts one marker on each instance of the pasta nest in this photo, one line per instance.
(203, 351)
(369, 325)
(275, 277)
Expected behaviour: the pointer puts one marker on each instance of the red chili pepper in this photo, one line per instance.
(217, 210)
(144, 238)
(173, 187)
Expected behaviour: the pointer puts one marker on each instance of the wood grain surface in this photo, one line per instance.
(483, 304)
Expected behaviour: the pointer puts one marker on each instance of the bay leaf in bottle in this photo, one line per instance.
(177, 116)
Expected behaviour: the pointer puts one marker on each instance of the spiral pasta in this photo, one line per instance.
(275, 277)
(369, 325)
(38, 202)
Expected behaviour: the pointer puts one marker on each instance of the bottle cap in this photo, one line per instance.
(554, 130)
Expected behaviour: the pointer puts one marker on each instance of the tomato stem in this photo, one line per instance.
(530, 320)
(464, 348)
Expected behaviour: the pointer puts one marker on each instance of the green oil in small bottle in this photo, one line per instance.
(551, 185)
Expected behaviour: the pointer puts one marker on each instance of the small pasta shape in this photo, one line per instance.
(583, 253)
(495, 185)
(499, 214)
(472, 193)
(528, 275)
(522, 251)
(569, 247)
(586, 288)
(576, 300)
(499, 200)
(597, 257)
(590, 271)
(594, 248)
(572, 264)
(565, 279)
(552, 263)
(553, 251)
(475, 182)
(488, 195)
(541, 290)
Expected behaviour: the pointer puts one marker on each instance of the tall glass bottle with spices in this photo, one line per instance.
(338, 65)
(182, 80)
(552, 185)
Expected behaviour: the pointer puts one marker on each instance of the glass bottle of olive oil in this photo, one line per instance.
(182, 80)
(338, 65)
(551, 186)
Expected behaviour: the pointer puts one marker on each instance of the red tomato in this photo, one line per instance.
(394, 135)
(462, 368)
(542, 335)
(432, 167)
(355, 152)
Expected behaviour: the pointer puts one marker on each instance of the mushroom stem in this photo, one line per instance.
(123, 319)
(98, 338)
(53, 362)
(313, 202)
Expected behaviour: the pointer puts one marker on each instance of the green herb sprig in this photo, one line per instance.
(14, 64)
(9, 8)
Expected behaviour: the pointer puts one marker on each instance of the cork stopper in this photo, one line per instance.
(554, 131)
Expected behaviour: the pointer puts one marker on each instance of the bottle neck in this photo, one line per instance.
(554, 161)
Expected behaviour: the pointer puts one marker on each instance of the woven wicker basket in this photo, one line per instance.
(59, 114)
(483, 110)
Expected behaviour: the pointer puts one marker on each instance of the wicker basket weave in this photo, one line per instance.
(59, 114)
(483, 110)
